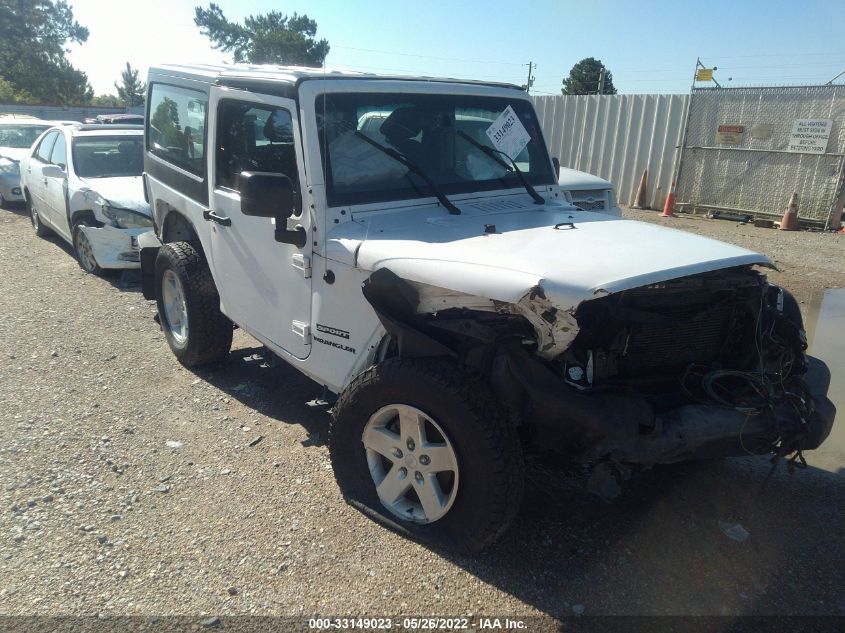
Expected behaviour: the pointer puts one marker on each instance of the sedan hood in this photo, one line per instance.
(503, 249)
(14, 153)
(574, 179)
(126, 192)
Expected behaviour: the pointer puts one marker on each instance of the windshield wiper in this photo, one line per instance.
(414, 168)
(492, 153)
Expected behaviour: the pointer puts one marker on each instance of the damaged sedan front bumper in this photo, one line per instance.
(114, 247)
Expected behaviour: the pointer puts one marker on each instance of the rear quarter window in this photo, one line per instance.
(176, 126)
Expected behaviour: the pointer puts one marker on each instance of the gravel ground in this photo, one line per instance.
(130, 485)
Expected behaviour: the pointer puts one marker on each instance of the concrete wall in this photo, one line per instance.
(65, 113)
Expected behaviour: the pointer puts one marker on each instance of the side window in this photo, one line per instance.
(59, 154)
(46, 147)
(176, 129)
(253, 138)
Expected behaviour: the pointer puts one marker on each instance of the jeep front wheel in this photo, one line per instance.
(189, 306)
(426, 443)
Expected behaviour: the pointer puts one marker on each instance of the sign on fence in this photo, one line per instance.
(810, 136)
(729, 134)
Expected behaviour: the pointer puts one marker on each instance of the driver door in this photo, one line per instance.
(264, 285)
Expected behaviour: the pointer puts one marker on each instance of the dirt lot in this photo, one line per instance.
(130, 485)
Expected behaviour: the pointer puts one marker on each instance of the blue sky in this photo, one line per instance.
(648, 46)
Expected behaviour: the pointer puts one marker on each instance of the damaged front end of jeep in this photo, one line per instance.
(707, 365)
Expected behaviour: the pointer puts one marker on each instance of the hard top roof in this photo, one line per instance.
(293, 74)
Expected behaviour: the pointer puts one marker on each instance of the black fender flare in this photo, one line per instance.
(395, 302)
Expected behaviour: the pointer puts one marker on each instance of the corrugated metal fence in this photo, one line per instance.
(616, 137)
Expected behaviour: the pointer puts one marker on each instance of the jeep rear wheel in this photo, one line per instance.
(189, 306)
(424, 446)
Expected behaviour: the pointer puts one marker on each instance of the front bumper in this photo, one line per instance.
(150, 245)
(625, 428)
(10, 187)
(115, 248)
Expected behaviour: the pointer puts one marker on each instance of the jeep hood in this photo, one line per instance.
(588, 254)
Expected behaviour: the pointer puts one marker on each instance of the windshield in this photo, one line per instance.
(20, 136)
(440, 134)
(104, 157)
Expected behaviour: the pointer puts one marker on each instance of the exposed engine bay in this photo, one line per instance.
(712, 364)
(726, 338)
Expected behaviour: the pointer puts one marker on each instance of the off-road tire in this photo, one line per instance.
(489, 455)
(35, 219)
(209, 336)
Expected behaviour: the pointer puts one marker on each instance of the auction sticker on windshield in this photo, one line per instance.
(508, 134)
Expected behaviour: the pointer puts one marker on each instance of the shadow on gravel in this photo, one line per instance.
(274, 389)
(661, 549)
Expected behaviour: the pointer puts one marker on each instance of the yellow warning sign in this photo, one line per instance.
(704, 74)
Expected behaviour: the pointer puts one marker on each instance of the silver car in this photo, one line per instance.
(17, 134)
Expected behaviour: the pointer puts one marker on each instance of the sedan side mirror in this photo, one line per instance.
(53, 171)
(268, 195)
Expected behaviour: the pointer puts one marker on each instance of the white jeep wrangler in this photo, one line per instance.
(404, 242)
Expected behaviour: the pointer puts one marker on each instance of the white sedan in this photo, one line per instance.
(84, 183)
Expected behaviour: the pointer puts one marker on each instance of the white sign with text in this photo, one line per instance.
(810, 136)
(508, 134)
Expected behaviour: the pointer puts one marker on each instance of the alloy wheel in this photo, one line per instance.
(412, 463)
(175, 308)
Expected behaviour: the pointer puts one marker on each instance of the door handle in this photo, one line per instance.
(213, 217)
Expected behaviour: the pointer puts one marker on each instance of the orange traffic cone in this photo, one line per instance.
(789, 221)
(642, 192)
(669, 207)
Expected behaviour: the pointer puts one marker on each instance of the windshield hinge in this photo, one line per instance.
(302, 329)
(303, 263)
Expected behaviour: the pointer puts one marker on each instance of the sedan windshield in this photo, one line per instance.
(108, 156)
(462, 144)
(20, 136)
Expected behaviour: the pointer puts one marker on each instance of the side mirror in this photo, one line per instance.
(556, 163)
(53, 171)
(267, 195)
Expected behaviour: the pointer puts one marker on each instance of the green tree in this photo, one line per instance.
(130, 90)
(33, 37)
(107, 100)
(273, 38)
(584, 78)
(10, 94)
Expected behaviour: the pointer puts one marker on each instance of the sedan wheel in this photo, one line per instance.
(85, 252)
(40, 229)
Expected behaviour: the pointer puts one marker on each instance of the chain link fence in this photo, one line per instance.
(746, 150)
